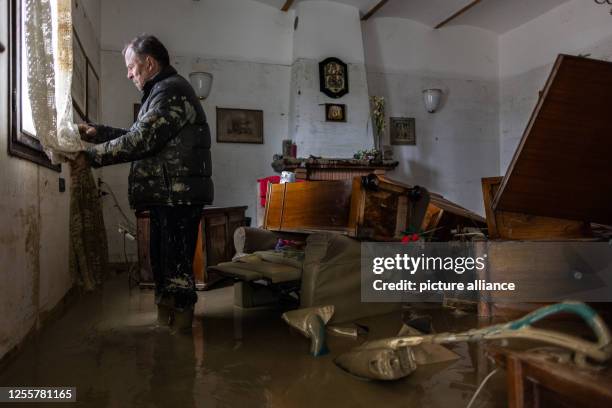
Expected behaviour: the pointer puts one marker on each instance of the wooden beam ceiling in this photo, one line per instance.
(374, 10)
(458, 13)
(287, 5)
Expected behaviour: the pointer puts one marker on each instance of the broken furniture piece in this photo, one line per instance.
(560, 178)
(559, 182)
(532, 377)
(385, 210)
(311, 323)
(384, 363)
(399, 358)
(370, 208)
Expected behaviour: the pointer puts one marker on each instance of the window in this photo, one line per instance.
(23, 141)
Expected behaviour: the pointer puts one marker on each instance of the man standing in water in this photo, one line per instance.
(170, 176)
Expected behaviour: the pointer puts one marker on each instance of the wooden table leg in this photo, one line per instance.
(516, 386)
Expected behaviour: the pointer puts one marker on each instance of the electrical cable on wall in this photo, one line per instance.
(130, 225)
(127, 231)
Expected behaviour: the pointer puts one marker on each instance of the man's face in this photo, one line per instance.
(140, 69)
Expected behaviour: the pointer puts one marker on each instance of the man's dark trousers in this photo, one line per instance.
(173, 237)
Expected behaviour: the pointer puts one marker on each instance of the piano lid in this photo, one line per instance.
(563, 165)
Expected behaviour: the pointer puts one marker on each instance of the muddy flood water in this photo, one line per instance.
(110, 348)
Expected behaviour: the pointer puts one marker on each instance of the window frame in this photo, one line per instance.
(21, 144)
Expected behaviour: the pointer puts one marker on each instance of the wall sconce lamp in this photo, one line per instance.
(201, 82)
(432, 97)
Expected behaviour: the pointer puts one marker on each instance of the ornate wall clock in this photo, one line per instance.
(333, 77)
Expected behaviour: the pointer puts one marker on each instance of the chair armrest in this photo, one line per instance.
(248, 240)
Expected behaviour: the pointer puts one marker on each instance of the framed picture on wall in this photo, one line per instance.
(79, 76)
(333, 77)
(93, 94)
(239, 125)
(335, 112)
(402, 131)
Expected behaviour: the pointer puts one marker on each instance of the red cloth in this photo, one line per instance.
(263, 187)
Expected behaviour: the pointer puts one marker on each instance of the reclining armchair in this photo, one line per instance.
(328, 272)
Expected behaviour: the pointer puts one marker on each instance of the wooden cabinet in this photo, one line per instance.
(215, 241)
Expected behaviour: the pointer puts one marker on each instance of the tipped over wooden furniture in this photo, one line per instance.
(560, 178)
(559, 182)
(370, 208)
(533, 380)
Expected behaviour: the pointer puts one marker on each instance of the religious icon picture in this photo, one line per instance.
(335, 112)
(333, 77)
(402, 131)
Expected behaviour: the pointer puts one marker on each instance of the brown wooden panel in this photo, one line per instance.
(274, 206)
(517, 226)
(143, 240)
(489, 188)
(562, 167)
(216, 238)
(567, 385)
(432, 218)
(357, 207)
(532, 227)
(384, 212)
(316, 205)
(198, 259)
(219, 224)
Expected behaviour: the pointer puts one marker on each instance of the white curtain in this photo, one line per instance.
(48, 38)
(49, 55)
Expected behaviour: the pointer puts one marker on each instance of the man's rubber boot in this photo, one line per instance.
(183, 318)
(165, 311)
(164, 315)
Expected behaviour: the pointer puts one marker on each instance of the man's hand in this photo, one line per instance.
(87, 132)
(80, 162)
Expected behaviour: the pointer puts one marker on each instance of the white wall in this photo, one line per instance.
(457, 145)
(228, 29)
(308, 128)
(405, 46)
(527, 54)
(34, 216)
(328, 29)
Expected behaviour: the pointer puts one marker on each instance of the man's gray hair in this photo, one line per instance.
(146, 44)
